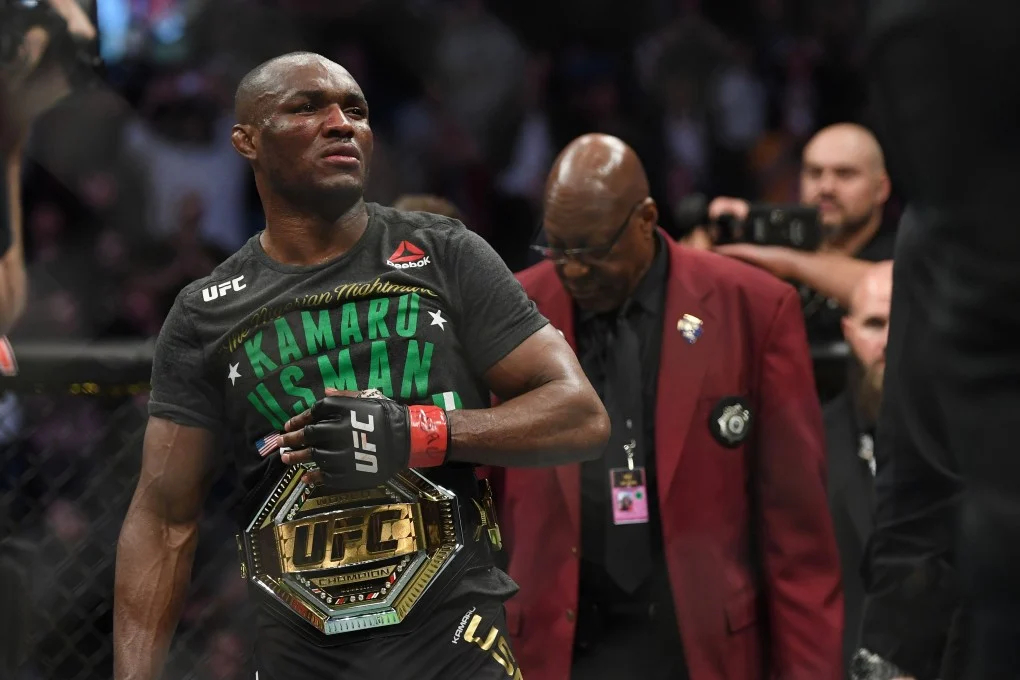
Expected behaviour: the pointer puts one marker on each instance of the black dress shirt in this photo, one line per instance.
(823, 316)
(605, 610)
(645, 314)
(850, 453)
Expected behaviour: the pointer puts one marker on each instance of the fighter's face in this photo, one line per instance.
(620, 246)
(316, 140)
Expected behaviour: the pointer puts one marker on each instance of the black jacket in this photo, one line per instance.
(850, 501)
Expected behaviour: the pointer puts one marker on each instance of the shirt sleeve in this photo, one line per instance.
(181, 389)
(495, 314)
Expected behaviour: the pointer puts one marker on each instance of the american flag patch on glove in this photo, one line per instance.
(268, 444)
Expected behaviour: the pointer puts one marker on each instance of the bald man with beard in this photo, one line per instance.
(850, 423)
(843, 174)
(700, 546)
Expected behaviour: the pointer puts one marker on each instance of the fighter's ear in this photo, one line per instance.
(243, 139)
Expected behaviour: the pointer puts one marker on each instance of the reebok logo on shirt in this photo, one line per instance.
(407, 255)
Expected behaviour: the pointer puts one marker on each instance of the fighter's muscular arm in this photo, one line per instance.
(550, 413)
(551, 416)
(157, 546)
(798, 546)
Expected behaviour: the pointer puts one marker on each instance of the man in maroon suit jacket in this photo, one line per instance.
(702, 546)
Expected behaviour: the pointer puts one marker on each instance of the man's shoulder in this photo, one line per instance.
(731, 276)
(835, 410)
(428, 225)
(225, 277)
(424, 234)
(882, 245)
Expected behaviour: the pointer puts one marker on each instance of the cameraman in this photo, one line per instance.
(32, 79)
(842, 174)
(13, 282)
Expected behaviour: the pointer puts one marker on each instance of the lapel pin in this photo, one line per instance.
(690, 327)
(730, 421)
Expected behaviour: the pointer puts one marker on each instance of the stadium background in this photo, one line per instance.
(133, 190)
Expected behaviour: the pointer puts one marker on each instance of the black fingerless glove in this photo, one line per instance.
(359, 443)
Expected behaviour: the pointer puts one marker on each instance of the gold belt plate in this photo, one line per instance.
(351, 560)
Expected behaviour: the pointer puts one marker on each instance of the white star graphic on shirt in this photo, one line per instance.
(233, 375)
(437, 319)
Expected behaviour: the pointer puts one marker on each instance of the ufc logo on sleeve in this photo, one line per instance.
(212, 292)
(364, 450)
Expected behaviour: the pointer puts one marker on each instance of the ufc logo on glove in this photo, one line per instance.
(364, 452)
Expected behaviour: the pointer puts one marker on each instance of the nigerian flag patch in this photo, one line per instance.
(448, 401)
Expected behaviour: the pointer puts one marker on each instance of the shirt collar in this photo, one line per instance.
(649, 293)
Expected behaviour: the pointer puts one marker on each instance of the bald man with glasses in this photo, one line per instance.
(700, 546)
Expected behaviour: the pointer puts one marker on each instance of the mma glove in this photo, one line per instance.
(360, 442)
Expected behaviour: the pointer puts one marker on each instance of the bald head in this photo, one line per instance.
(303, 125)
(597, 204)
(597, 169)
(866, 325)
(258, 87)
(874, 289)
(843, 174)
(850, 141)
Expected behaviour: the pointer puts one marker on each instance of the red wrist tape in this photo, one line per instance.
(430, 435)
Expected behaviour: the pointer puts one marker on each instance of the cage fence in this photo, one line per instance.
(72, 421)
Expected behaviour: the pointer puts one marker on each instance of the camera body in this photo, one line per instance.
(791, 226)
(767, 224)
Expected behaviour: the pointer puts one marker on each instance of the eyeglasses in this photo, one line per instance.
(590, 255)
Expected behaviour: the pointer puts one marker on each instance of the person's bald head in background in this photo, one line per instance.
(430, 203)
(597, 198)
(843, 173)
(866, 329)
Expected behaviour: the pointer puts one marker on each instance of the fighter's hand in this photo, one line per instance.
(359, 442)
(294, 438)
(778, 260)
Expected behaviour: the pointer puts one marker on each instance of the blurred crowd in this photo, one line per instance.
(133, 189)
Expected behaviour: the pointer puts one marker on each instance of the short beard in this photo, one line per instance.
(837, 234)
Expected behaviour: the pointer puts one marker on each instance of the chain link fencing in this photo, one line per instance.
(72, 420)
(71, 453)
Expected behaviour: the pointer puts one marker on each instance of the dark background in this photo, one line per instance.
(133, 190)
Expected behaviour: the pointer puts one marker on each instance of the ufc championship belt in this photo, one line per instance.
(353, 560)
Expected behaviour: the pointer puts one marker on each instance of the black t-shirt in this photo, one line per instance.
(419, 309)
(823, 316)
